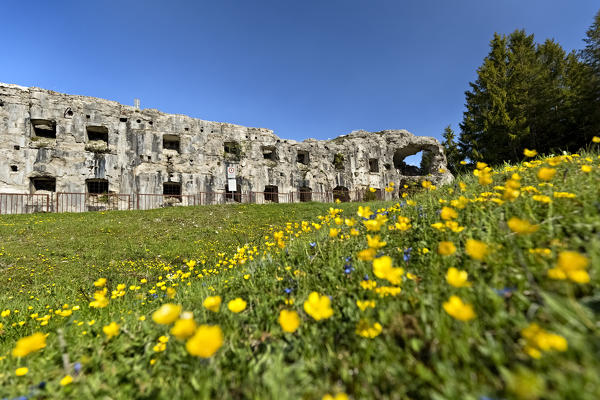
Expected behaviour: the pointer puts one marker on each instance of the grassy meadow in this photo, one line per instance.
(487, 288)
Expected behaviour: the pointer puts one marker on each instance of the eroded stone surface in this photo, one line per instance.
(49, 134)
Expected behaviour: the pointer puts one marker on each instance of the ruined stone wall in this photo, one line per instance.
(138, 151)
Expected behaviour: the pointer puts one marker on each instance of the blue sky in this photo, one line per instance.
(302, 68)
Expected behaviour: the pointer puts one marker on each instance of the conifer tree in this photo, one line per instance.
(451, 149)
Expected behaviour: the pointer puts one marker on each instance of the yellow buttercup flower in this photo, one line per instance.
(365, 329)
(212, 303)
(166, 314)
(586, 168)
(289, 320)
(183, 328)
(596, 139)
(570, 265)
(364, 212)
(206, 341)
(111, 330)
(29, 344)
(339, 396)
(100, 282)
(318, 306)
(476, 249)
(530, 153)
(383, 269)
(546, 174)
(333, 232)
(459, 310)
(522, 226)
(66, 380)
(364, 304)
(538, 340)
(457, 278)
(446, 248)
(374, 243)
(21, 371)
(448, 213)
(237, 305)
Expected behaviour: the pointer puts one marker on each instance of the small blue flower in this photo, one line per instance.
(313, 244)
(505, 292)
(77, 367)
(288, 290)
(366, 277)
(348, 259)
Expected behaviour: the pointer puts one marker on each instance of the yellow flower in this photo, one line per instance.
(212, 303)
(457, 278)
(350, 222)
(171, 292)
(476, 249)
(596, 139)
(206, 341)
(100, 282)
(354, 232)
(374, 243)
(546, 174)
(339, 396)
(5, 313)
(333, 232)
(530, 153)
(367, 254)
(446, 248)
(521, 226)
(586, 168)
(318, 306)
(570, 265)
(541, 198)
(29, 344)
(289, 321)
(66, 380)
(448, 213)
(364, 304)
(111, 330)
(100, 300)
(372, 190)
(364, 212)
(463, 162)
(538, 340)
(237, 305)
(459, 310)
(166, 314)
(383, 269)
(21, 371)
(183, 328)
(364, 329)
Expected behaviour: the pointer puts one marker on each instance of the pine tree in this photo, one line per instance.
(590, 56)
(451, 149)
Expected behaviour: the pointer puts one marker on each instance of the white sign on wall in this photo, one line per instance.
(231, 172)
(231, 185)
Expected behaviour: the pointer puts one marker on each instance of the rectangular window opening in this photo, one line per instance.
(44, 128)
(271, 193)
(96, 186)
(303, 157)
(97, 133)
(44, 183)
(269, 153)
(373, 165)
(171, 142)
(172, 189)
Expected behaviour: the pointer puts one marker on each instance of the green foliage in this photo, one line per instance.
(530, 95)
(338, 161)
(453, 156)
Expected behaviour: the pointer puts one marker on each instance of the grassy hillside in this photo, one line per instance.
(518, 247)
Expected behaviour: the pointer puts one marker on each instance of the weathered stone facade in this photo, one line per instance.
(57, 142)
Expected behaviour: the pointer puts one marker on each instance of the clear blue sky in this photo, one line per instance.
(302, 68)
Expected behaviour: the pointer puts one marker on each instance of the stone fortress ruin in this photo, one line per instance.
(53, 143)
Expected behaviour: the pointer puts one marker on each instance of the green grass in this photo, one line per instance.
(49, 260)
